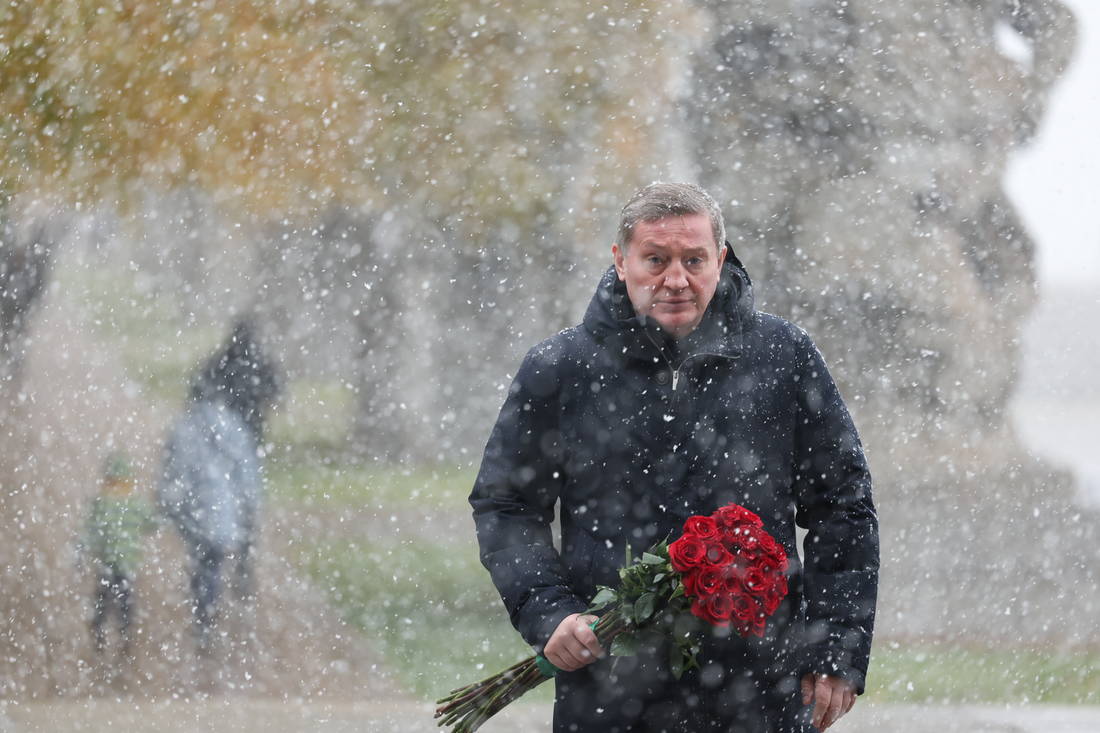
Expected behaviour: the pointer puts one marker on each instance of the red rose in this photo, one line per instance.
(771, 602)
(767, 582)
(715, 610)
(733, 515)
(755, 580)
(735, 576)
(732, 535)
(704, 527)
(690, 579)
(717, 555)
(710, 581)
(757, 628)
(774, 594)
(699, 609)
(720, 608)
(687, 552)
(743, 608)
(754, 538)
(741, 537)
(731, 569)
(771, 547)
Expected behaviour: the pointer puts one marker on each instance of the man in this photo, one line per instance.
(672, 398)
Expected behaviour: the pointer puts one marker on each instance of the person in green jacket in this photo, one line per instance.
(119, 518)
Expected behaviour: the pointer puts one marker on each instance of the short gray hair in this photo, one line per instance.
(661, 200)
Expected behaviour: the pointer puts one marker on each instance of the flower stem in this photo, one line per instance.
(468, 707)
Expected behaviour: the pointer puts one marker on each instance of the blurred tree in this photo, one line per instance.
(480, 129)
(426, 155)
(24, 262)
(107, 100)
(504, 139)
(105, 103)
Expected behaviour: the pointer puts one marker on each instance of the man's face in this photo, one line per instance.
(671, 268)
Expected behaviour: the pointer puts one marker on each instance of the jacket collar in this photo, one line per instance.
(611, 319)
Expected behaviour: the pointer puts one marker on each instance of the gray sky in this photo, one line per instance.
(1056, 181)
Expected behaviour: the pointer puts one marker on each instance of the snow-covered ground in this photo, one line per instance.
(234, 715)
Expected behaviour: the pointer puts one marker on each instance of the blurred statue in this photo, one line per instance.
(211, 483)
(861, 148)
(118, 520)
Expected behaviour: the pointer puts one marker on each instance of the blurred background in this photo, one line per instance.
(402, 198)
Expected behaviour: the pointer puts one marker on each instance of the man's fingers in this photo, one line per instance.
(587, 638)
(807, 688)
(823, 693)
(557, 647)
(573, 644)
(835, 709)
(569, 656)
(566, 661)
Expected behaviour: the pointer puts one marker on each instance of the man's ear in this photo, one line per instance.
(722, 252)
(619, 258)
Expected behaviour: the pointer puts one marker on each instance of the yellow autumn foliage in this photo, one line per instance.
(290, 105)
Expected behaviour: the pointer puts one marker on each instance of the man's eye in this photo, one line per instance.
(653, 260)
(694, 261)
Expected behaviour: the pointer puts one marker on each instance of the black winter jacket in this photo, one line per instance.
(633, 432)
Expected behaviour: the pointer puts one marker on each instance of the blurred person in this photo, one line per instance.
(675, 396)
(211, 483)
(118, 520)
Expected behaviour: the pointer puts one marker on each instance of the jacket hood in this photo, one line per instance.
(611, 318)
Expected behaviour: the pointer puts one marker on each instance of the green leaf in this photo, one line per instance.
(651, 559)
(604, 597)
(658, 577)
(624, 645)
(644, 607)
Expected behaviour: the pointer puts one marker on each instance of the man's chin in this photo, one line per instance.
(676, 327)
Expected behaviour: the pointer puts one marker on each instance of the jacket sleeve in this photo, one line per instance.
(833, 494)
(513, 504)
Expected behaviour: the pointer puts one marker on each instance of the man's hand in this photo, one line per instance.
(832, 698)
(573, 644)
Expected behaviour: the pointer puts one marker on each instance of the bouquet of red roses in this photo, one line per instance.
(724, 569)
(731, 568)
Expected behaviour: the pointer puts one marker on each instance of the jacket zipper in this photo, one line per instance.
(676, 370)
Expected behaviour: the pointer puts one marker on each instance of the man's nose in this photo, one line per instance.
(676, 277)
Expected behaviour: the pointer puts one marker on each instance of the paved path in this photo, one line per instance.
(251, 715)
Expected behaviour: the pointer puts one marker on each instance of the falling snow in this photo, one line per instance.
(400, 200)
